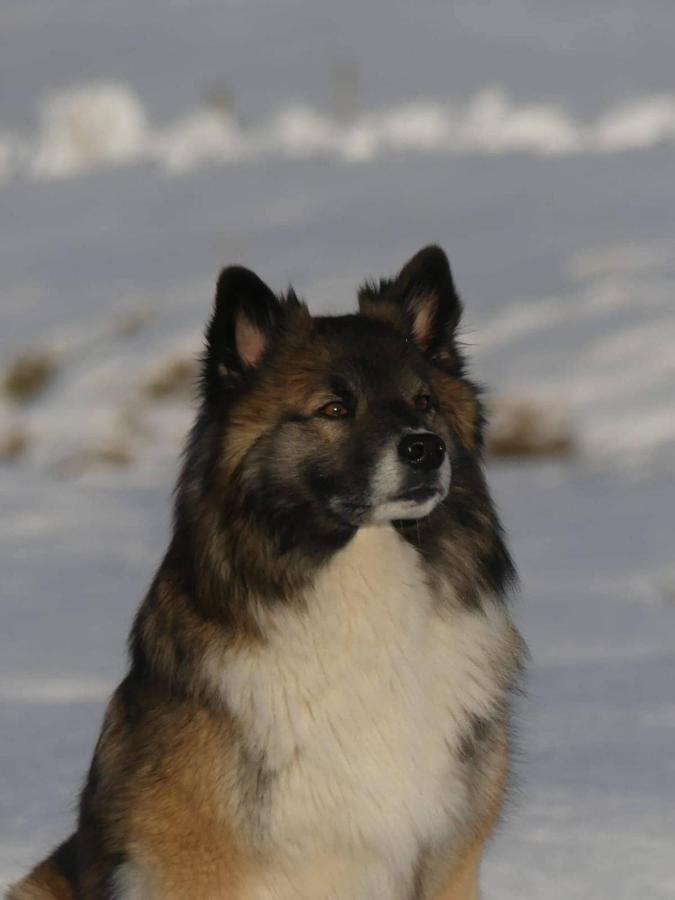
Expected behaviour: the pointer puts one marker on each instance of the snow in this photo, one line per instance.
(127, 179)
(98, 125)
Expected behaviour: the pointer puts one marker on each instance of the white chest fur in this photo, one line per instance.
(356, 703)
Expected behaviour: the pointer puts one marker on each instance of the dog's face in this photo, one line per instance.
(330, 423)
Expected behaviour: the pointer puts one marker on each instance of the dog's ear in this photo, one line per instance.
(421, 302)
(245, 315)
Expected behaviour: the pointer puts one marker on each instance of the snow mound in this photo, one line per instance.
(90, 126)
(106, 124)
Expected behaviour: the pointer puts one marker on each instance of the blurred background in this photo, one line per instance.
(144, 145)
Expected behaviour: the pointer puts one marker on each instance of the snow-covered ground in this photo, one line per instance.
(141, 150)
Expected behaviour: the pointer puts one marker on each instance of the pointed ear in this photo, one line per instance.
(245, 315)
(421, 302)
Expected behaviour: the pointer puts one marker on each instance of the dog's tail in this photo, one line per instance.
(52, 879)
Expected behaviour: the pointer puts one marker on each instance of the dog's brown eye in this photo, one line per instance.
(423, 402)
(334, 410)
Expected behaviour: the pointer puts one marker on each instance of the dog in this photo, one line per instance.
(321, 675)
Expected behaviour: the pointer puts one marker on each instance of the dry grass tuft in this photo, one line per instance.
(29, 375)
(13, 444)
(525, 429)
(113, 454)
(175, 379)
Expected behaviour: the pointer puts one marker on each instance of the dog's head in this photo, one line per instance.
(318, 425)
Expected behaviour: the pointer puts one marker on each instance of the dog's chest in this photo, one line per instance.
(359, 702)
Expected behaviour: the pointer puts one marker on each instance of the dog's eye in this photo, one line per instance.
(334, 410)
(424, 402)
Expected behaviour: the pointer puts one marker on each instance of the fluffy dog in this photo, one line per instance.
(317, 705)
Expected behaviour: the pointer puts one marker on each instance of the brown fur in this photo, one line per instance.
(49, 880)
(45, 882)
(180, 831)
(463, 884)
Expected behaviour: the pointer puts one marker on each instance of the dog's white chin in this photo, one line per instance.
(405, 509)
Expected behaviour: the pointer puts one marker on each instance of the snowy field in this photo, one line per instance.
(143, 148)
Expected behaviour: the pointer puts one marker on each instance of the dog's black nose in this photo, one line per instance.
(424, 451)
